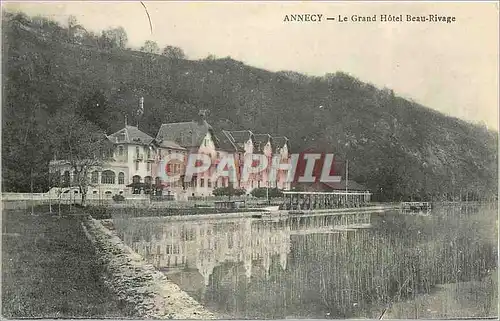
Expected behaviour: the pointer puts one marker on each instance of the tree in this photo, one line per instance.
(150, 47)
(75, 30)
(172, 52)
(211, 57)
(263, 192)
(81, 146)
(72, 22)
(228, 191)
(114, 38)
(94, 107)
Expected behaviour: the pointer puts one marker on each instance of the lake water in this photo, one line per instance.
(321, 267)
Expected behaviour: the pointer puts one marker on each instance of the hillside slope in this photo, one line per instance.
(397, 148)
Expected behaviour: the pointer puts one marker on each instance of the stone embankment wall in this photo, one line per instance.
(138, 283)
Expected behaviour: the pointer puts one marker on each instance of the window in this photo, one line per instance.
(148, 167)
(137, 152)
(136, 179)
(94, 177)
(157, 181)
(159, 153)
(147, 180)
(136, 166)
(121, 178)
(209, 183)
(202, 182)
(149, 153)
(75, 177)
(169, 151)
(108, 177)
(120, 150)
(66, 178)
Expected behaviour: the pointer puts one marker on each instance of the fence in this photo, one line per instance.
(26, 200)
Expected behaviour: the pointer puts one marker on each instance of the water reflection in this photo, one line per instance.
(318, 266)
(206, 245)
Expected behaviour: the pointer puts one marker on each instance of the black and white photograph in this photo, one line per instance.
(241, 160)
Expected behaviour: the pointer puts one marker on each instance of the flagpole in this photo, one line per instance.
(346, 174)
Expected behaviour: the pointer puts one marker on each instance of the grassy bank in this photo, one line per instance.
(50, 270)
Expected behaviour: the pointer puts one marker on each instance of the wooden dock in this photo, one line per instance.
(297, 202)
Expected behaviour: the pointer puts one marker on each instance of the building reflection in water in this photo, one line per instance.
(314, 266)
(203, 245)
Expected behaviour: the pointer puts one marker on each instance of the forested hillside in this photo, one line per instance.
(397, 148)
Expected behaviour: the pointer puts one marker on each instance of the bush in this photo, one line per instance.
(118, 198)
(98, 212)
(228, 191)
(239, 192)
(261, 192)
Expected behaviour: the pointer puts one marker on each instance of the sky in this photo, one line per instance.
(450, 67)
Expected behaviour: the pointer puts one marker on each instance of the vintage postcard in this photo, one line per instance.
(249, 160)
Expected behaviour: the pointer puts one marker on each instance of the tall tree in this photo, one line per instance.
(114, 38)
(150, 47)
(94, 107)
(80, 145)
(172, 52)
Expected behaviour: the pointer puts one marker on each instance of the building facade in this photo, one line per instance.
(136, 161)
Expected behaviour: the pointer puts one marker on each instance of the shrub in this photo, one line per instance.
(228, 191)
(98, 212)
(118, 198)
(262, 192)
